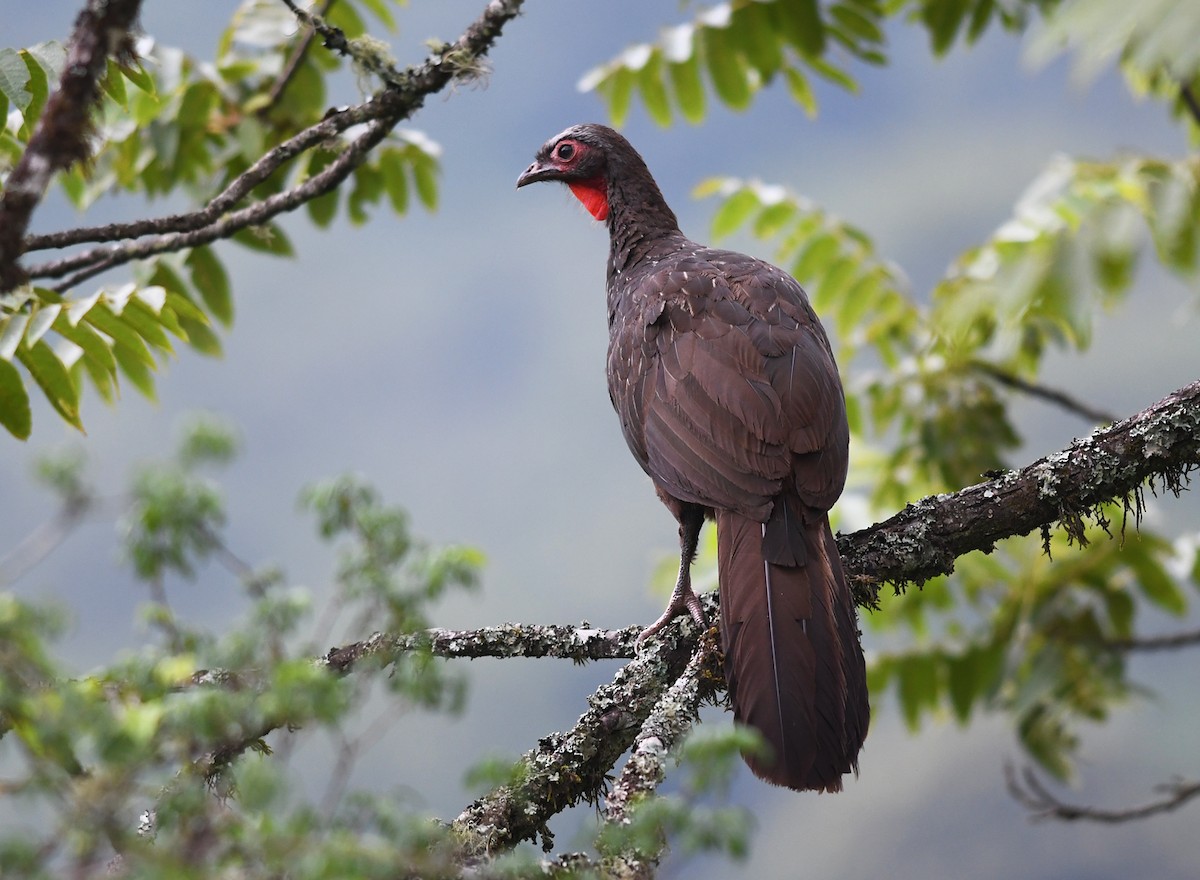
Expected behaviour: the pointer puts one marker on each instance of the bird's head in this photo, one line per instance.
(586, 158)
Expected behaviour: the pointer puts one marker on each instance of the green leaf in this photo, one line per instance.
(653, 91)
(752, 29)
(734, 212)
(114, 83)
(943, 18)
(15, 413)
(52, 377)
(39, 89)
(916, 686)
(726, 68)
(136, 370)
(617, 87)
(145, 323)
(200, 336)
(93, 344)
(855, 22)
(395, 179)
(209, 278)
(14, 79)
(801, 91)
(139, 76)
(127, 340)
(424, 171)
(1155, 583)
(688, 87)
(815, 257)
(368, 189)
(801, 25)
(835, 75)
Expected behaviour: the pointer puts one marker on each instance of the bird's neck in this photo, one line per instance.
(640, 223)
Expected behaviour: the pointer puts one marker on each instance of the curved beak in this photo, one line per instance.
(535, 173)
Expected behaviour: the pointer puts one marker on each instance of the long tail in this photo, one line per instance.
(792, 656)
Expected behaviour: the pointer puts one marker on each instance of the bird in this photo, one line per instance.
(730, 399)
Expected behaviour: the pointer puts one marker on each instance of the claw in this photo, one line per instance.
(683, 601)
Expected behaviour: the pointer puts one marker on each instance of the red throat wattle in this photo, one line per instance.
(594, 195)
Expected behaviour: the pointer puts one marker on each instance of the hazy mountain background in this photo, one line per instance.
(457, 361)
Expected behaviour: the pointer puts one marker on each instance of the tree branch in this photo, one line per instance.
(1161, 445)
(565, 769)
(1031, 792)
(403, 95)
(579, 643)
(60, 138)
(334, 123)
(663, 730)
(257, 214)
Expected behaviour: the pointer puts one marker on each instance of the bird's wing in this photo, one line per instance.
(726, 387)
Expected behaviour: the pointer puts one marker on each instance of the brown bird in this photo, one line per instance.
(730, 400)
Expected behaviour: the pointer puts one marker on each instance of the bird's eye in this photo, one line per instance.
(565, 152)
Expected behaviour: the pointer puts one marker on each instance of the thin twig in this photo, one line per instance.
(42, 541)
(1170, 642)
(1051, 395)
(1029, 791)
(293, 63)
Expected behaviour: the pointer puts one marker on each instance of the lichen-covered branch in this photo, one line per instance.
(1160, 445)
(507, 640)
(60, 138)
(664, 728)
(566, 769)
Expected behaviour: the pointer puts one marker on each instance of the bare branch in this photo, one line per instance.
(1160, 444)
(1169, 642)
(1031, 793)
(1051, 395)
(60, 139)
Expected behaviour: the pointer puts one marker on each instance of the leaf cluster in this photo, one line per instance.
(170, 125)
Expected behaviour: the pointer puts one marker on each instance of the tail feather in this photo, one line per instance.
(792, 657)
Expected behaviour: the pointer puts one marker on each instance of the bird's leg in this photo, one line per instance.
(683, 599)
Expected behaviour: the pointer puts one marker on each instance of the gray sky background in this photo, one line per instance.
(457, 361)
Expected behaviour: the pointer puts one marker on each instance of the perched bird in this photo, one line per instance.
(730, 400)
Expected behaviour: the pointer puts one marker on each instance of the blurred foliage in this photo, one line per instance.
(159, 732)
(176, 126)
